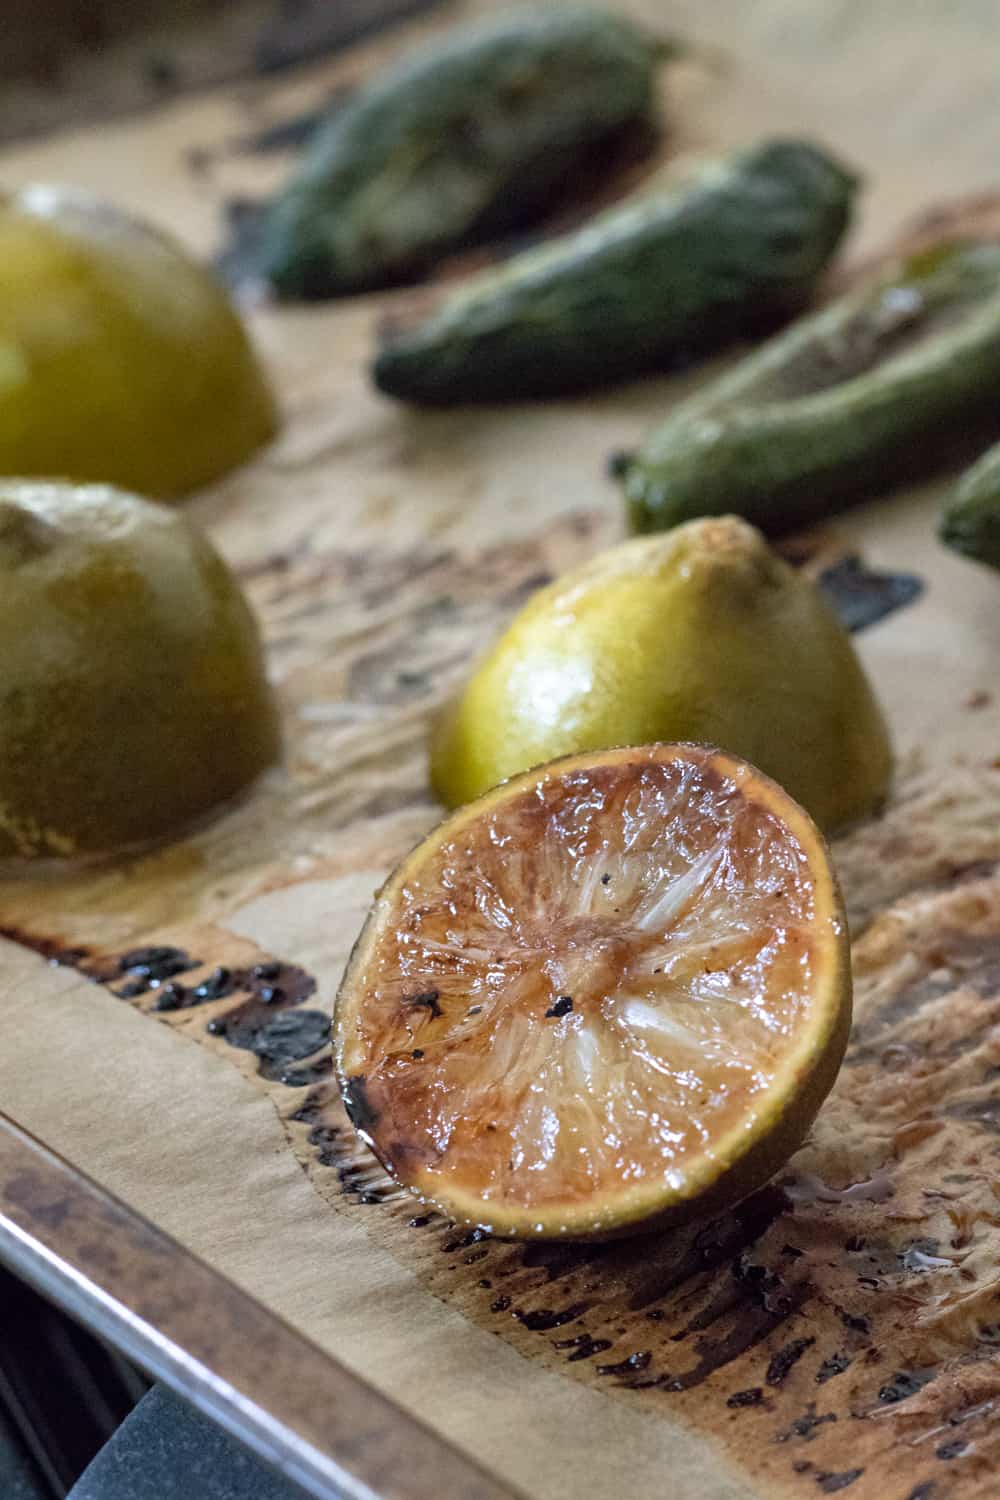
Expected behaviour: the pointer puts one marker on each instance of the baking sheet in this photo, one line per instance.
(381, 548)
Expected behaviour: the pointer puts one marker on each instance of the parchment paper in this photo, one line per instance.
(183, 1131)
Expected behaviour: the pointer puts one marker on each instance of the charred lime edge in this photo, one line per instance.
(749, 1154)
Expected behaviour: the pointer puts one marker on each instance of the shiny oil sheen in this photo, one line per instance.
(592, 994)
(700, 634)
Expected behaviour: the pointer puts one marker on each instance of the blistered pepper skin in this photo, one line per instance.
(465, 139)
(970, 520)
(888, 383)
(662, 279)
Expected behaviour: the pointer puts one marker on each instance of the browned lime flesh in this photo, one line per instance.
(613, 990)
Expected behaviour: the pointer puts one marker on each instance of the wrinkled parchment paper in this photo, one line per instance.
(360, 498)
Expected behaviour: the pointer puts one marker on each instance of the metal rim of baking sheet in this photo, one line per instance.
(300, 1410)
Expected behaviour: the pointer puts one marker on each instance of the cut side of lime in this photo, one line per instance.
(610, 993)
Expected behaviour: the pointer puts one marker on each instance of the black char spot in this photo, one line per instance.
(276, 1039)
(862, 597)
(777, 1370)
(427, 1001)
(753, 1397)
(561, 1007)
(831, 1483)
(359, 1111)
(630, 1366)
(540, 1319)
(904, 1383)
(805, 1426)
(835, 1365)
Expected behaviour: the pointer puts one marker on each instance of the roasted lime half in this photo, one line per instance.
(610, 994)
(700, 633)
(121, 358)
(133, 698)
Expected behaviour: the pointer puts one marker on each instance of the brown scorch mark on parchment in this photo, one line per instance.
(866, 1276)
(831, 1282)
(840, 1329)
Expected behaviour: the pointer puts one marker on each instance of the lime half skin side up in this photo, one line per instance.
(133, 695)
(701, 633)
(121, 358)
